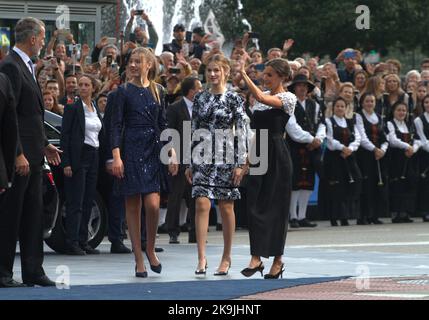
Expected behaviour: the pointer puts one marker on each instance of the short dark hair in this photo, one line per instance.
(187, 85)
(101, 95)
(51, 81)
(426, 60)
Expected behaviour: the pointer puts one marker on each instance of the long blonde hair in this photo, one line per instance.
(147, 55)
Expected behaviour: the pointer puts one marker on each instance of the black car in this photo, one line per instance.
(53, 197)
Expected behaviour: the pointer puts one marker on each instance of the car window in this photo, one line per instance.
(51, 133)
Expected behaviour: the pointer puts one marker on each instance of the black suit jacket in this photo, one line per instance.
(176, 114)
(73, 134)
(29, 108)
(8, 132)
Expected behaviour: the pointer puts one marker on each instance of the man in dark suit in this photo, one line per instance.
(8, 134)
(177, 113)
(21, 209)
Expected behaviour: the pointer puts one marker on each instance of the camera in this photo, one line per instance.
(174, 70)
(260, 67)
(138, 12)
(188, 36)
(349, 55)
(109, 60)
(75, 47)
(254, 35)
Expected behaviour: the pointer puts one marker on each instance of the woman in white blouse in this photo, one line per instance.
(342, 173)
(372, 162)
(422, 128)
(403, 165)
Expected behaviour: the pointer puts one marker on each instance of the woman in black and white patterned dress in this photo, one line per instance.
(217, 172)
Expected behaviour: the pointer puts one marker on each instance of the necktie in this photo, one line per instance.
(31, 69)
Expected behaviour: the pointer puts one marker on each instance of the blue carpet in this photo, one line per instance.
(186, 290)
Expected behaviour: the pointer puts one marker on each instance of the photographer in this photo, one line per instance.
(140, 35)
(350, 58)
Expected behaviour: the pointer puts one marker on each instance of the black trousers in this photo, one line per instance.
(21, 218)
(80, 194)
(180, 188)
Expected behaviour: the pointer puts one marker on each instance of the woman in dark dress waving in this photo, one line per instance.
(137, 122)
(269, 194)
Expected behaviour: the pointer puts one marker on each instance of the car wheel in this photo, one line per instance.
(97, 227)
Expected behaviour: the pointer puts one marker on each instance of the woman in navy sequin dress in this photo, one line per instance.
(137, 122)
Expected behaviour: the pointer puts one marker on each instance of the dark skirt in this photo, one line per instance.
(268, 200)
(374, 201)
(403, 176)
(343, 183)
(423, 191)
(304, 167)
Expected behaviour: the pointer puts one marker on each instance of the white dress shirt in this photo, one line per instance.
(365, 141)
(419, 128)
(394, 141)
(27, 61)
(92, 127)
(335, 145)
(189, 105)
(321, 129)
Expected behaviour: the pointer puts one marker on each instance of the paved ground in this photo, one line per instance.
(383, 254)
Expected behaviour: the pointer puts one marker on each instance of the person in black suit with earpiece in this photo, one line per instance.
(21, 207)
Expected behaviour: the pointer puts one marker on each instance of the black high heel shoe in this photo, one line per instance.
(156, 269)
(202, 272)
(277, 275)
(223, 273)
(248, 272)
(140, 274)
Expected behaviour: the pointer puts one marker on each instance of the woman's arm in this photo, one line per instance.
(394, 141)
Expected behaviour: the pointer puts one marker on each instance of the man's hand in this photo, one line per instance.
(22, 165)
(52, 153)
(68, 172)
(173, 166)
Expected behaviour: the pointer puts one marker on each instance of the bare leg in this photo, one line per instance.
(133, 214)
(255, 261)
(151, 205)
(202, 210)
(277, 265)
(228, 226)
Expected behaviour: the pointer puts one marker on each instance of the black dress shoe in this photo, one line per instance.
(407, 220)
(362, 222)
(10, 283)
(304, 223)
(174, 240)
(162, 229)
(42, 281)
(74, 250)
(376, 221)
(119, 247)
(426, 218)
(294, 224)
(88, 249)
(396, 220)
(344, 222)
(334, 223)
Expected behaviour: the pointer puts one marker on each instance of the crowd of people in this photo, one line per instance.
(361, 128)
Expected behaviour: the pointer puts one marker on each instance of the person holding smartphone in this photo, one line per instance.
(350, 58)
(140, 36)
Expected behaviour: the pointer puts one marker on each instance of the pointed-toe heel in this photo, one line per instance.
(248, 272)
(140, 274)
(202, 272)
(223, 273)
(156, 269)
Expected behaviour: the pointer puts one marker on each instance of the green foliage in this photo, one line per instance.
(328, 26)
